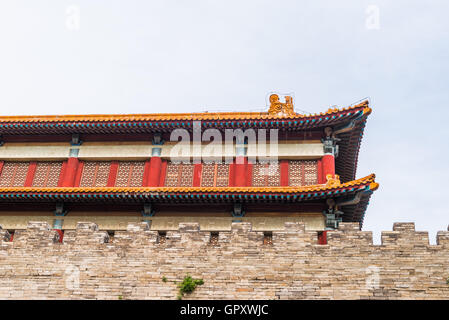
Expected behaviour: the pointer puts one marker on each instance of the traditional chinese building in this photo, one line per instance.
(116, 169)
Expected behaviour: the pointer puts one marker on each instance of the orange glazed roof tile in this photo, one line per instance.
(176, 116)
(368, 180)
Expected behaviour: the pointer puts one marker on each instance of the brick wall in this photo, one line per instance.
(90, 264)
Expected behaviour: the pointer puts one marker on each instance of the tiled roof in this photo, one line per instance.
(175, 116)
(348, 186)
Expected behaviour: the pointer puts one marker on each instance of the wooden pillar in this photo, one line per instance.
(284, 173)
(328, 163)
(198, 168)
(240, 171)
(1, 166)
(30, 174)
(155, 171)
(113, 170)
(70, 173)
(154, 165)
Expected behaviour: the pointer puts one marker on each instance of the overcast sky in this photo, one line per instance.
(68, 57)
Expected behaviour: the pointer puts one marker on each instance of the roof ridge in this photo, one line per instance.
(175, 116)
(370, 179)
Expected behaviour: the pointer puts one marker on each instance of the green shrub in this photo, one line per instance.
(188, 285)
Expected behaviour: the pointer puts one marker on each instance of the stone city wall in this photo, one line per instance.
(236, 264)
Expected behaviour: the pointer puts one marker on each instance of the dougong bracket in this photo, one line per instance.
(148, 210)
(76, 141)
(238, 211)
(60, 212)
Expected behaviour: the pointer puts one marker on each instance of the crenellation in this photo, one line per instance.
(443, 238)
(349, 237)
(349, 226)
(86, 233)
(404, 226)
(37, 234)
(239, 265)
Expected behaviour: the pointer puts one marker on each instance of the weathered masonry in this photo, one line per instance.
(236, 264)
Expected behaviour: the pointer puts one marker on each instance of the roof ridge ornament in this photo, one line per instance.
(279, 108)
(333, 180)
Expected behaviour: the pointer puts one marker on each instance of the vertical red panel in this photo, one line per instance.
(328, 162)
(163, 173)
(30, 174)
(62, 174)
(319, 169)
(70, 172)
(155, 171)
(113, 169)
(1, 166)
(78, 174)
(284, 173)
(249, 174)
(197, 174)
(240, 171)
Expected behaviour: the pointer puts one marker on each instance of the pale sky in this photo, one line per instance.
(69, 57)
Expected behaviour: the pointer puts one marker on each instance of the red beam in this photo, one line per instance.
(240, 171)
(155, 171)
(30, 174)
(198, 168)
(113, 170)
(70, 172)
(284, 173)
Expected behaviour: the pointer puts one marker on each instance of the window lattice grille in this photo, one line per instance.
(130, 174)
(215, 175)
(310, 173)
(266, 174)
(302, 173)
(47, 174)
(179, 175)
(95, 174)
(208, 175)
(14, 174)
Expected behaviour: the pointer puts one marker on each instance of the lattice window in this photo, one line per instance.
(130, 174)
(302, 173)
(215, 175)
(266, 174)
(47, 174)
(310, 173)
(14, 174)
(95, 174)
(179, 175)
